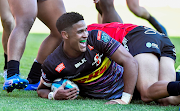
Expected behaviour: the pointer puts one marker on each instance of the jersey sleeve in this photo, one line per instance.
(48, 74)
(102, 42)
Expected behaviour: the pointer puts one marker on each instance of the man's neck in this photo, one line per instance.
(70, 53)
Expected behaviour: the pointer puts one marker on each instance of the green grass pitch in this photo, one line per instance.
(29, 100)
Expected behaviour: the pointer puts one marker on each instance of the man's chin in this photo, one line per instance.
(83, 50)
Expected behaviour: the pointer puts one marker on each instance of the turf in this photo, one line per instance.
(20, 100)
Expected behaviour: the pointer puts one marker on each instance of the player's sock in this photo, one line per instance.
(177, 76)
(157, 25)
(13, 68)
(173, 88)
(178, 73)
(35, 73)
(13, 81)
(5, 61)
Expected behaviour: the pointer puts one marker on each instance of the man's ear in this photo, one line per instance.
(64, 34)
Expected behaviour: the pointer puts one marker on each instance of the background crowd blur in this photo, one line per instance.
(167, 12)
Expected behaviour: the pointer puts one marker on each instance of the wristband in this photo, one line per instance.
(51, 96)
(126, 97)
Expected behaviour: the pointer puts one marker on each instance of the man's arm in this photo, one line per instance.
(60, 94)
(43, 90)
(124, 58)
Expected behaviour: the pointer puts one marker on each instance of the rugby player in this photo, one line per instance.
(107, 10)
(156, 57)
(24, 13)
(93, 60)
(7, 21)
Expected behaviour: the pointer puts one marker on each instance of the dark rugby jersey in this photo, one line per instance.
(93, 71)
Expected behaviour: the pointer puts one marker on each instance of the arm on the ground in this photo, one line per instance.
(124, 58)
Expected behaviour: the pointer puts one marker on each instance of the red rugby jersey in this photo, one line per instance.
(115, 29)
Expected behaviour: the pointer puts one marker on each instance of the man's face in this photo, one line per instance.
(78, 37)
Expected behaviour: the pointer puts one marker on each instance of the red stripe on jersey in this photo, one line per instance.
(99, 35)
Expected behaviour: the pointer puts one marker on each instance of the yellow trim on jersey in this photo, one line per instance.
(96, 74)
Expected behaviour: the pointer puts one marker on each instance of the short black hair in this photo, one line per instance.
(67, 20)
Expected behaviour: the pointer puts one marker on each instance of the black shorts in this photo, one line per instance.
(147, 40)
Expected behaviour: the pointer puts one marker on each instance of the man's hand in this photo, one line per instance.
(65, 94)
(116, 101)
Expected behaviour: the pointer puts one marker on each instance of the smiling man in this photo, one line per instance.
(93, 60)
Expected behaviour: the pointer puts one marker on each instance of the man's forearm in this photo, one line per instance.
(130, 76)
(43, 93)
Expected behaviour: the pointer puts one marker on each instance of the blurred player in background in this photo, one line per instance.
(106, 10)
(8, 23)
(25, 13)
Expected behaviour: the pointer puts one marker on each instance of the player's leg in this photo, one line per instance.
(148, 77)
(167, 73)
(99, 18)
(139, 11)
(107, 11)
(150, 84)
(7, 21)
(178, 73)
(24, 13)
(54, 9)
(48, 12)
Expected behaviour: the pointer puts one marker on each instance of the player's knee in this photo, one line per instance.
(98, 9)
(145, 97)
(8, 24)
(25, 23)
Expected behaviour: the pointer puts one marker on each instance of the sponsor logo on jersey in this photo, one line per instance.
(80, 63)
(96, 74)
(60, 67)
(102, 36)
(124, 43)
(44, 76)
(152, 31)
(90, 47)
(174, 51)
(152, 45)
(97, 59)
(105, 37)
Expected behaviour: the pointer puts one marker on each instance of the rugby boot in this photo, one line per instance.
(32, 87)
(15, 82)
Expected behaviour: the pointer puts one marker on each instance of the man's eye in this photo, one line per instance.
(80, 31)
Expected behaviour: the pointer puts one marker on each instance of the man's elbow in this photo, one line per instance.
(38, 92)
